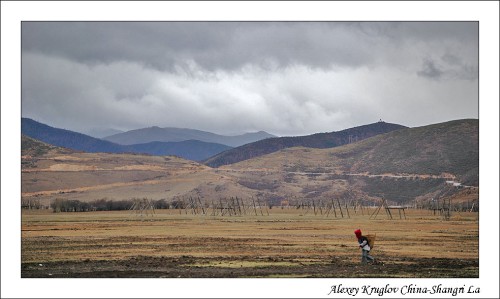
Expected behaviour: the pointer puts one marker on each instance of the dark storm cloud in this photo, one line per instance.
(450, 67)
(212, 45)
(429, 69)
(288, 78)
(465, 32)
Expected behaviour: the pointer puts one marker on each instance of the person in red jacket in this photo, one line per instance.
(365, 247)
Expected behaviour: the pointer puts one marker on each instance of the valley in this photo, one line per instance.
(364, 171)
(289, 213)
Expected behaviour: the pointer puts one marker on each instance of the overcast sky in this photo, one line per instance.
(286, 78)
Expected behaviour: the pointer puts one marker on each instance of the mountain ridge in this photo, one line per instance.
(189, 149)
(66, 138)
(318, 140)
(171, 134)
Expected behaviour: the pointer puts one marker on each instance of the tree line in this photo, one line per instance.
(104, 204)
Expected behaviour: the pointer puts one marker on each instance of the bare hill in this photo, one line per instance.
(320, 140)
(450, 147)
(34, 148)
(403, 166)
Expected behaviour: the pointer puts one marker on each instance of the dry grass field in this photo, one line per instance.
(285, 243)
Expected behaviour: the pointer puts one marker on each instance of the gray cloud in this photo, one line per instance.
(230, 45)
(212, 45)
(288, 78)
(430, 69)
(449, 67)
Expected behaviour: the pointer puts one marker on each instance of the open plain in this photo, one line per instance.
(286, 243)
(276, 215)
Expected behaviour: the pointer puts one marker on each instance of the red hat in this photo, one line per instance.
(358, 233)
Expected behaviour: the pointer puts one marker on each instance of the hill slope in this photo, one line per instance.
(179, 134)
(34, 148)
(67, 138)
(450, 147)
(190, 149)
(404, 166)
(320, 140)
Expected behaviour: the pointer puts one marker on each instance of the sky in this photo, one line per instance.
(285, 78)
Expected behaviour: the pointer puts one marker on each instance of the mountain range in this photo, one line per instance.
(189, 149)
(151, 134)
(197, 145)
(101, 133)
(67, 138)
(404, 166)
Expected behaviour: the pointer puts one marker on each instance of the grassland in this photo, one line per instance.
(285, 243)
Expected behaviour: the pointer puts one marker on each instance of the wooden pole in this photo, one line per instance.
(340, 208)
(348, 216)
(254, 208)
(260, 207)
(375, 213)
(334, 211)
(201, 205)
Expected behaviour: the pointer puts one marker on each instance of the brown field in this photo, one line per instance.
(285, 243)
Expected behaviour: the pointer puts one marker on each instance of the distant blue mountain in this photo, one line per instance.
(151, 134)
(101, 133)
(67, 138)
(190, 149)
